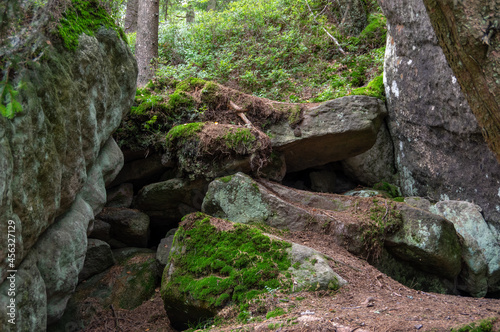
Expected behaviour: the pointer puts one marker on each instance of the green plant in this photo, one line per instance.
(484, 325)
(275, 313)
(9, 105)
(183, 132)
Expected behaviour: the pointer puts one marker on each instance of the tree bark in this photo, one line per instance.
(147, 40)
(469, 34)
(131, 16)
(190, 15)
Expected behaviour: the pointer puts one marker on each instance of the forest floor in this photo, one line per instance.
(371, 301)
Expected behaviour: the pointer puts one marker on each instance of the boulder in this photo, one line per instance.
(214, 262)
(335, 130)
(481, 244)
(163, 250)
(171, 199)
(101, 230)
(439, 149)
(128, 226)
(125, 285)
(120, 196)
(468, 35)
(376, 164)
(423, 239)
(141, 171)
(97, 259)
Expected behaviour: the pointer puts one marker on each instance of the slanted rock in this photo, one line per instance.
(142, 171)
(238, 263)
(481, 252)
(335, 130)
(97, 259)
(120, 196)
(439, 148)
(128, 226)
(163, 250)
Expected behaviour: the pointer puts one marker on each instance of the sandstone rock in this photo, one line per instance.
(97, 259)
(101, 231)
(120, 196)
(335, 130)
(238, 263)
(427, 241)
(171, 199)
(126, 285)
(468, 34)
(374, 165)
(128, 226)
(481, 252)
(141, 172)
(163, 250)
(439, 149)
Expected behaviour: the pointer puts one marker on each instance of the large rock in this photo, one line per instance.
(129, 226)
(439, 149)
(214, 262)
(423, 239)
(375, 165)
(72, 102)
(481, 247)
(97, 259)
(468, 34)
(171, 199)
(335, 130)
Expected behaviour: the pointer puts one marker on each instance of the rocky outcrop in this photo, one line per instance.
(468, 34)
(439, 149)
(335, 130)
(97, 259)
(239, 262)
(129, 226)
(56, 159)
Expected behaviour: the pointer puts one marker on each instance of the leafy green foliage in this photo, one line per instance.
(9, 105)
(485, 325)
(273, 49)
(275, 313)
(234, 265)
(84, 17)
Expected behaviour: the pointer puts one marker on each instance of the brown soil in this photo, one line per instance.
(371, 301)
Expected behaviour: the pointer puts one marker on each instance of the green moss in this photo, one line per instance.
(376, 30)
(374, 89)
(183, 132)
(275, 313)
(485, 325)
(239, 139)
(190, 84)
(84, 17)
(226, 179)
(221, 266)
(180, 100)
(295, 116)
(390, 189)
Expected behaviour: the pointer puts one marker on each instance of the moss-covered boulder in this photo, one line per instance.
(333, 131)
(214, 262)
(209, 149)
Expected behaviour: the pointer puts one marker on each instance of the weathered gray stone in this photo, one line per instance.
(120, 196)
(428, 241)
(310, 270)
(101, 230)
(140, 172)
(439, 150)
(164, 250)
(374, 165)
(335, 130)
(30, 312)
(171, 199)
(481, 252)
(97, 259)
(128, 226)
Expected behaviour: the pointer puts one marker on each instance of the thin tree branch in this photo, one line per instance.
(329, 35)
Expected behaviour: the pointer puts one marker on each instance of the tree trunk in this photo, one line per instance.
(147, 40)
(131, 16)
(190, 15)
(469, 34)
(166, 3)
(212, 4)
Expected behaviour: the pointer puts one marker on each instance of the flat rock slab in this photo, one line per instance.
(335, 130)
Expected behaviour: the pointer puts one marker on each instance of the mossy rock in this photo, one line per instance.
(214, 262)
(209, 150)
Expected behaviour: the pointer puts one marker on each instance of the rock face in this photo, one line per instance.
(335, 130)
(56, 158)
(468, 34)
(239, 262)
(97, 259)
(129, 226)
(439, 149)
